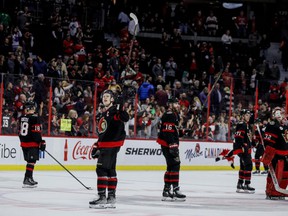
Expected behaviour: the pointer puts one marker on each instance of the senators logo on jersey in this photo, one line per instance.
(102, 126)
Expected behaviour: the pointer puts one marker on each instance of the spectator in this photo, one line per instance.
(114, 65)
(39, 66)
(116, 88)
(211, 24)
(59, 93)
(161, 96)
(72, 115)
(9, 95)
(68, 46)
(241, 24)
(170, 71)
(40, 90)
(216, 100)
(145, 90)
(275, 72)
(199, 23)
(227, 42)
(73, 26)
(264, 45)
(221, 130)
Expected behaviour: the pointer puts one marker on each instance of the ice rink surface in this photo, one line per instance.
(209, 193)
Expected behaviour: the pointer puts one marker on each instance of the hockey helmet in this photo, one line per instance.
(30, 105)
(278, 113)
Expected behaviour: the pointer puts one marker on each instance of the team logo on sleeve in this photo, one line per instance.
(102, 125)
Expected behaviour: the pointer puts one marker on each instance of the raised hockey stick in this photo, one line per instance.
(271, 169)
(88, 188)
(216, 81)
(133, 17)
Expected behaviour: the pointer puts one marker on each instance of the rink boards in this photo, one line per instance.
(74, 153)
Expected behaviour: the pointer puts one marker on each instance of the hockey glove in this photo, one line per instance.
(42, 145)
(95, 151)
(174, 149)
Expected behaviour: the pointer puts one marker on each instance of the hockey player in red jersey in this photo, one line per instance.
(31, 141)
(111, 136)
(242, 147)
(276, 152)
(168, 138)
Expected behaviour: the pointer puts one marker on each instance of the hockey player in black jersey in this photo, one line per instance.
(168, 138)
(31, 141)
(258, 145)
(111, 136)
(242, 146)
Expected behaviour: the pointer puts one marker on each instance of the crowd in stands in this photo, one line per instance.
(77, 61)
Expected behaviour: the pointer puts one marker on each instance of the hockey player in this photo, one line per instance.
(168, 138)
(257, 144)
(111, 136)
(242, 147)
(276, 152)
(31, 141)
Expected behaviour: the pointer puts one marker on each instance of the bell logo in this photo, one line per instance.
(6, 152)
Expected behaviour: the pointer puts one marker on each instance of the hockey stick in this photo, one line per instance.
(271, 169)
(88, 188)
(133, 17)
(220, 74)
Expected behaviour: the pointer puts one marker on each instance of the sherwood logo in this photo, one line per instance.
(143, 151)
(6, 152)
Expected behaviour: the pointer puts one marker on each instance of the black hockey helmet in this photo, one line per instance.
(29, 105)
(245, 111)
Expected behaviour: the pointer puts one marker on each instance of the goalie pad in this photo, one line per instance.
(282, 177)
(268, 155)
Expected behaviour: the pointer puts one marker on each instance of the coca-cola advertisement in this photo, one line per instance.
(77, 150)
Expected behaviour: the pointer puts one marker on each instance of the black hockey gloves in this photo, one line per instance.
(174, 149)
(42, 145)
(95, 151)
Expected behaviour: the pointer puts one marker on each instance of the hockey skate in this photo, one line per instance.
(167, 195)
(256, 172)
(29, 183)
(35, 182)
(240, 188)
(99, 203)
(111, 202)
(248, 189)
(178, 196)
